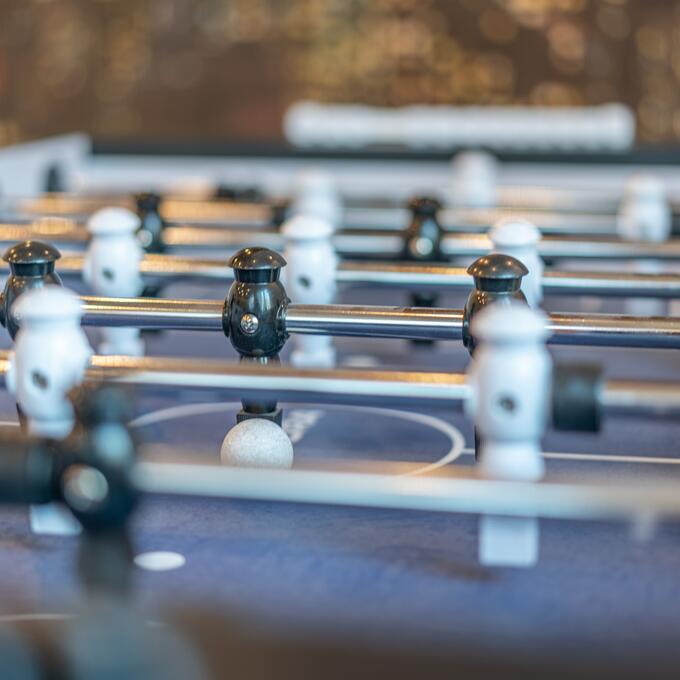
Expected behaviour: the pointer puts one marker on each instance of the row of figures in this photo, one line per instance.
(509, 387)
(115, 253)
(509, 379)
(119, 239)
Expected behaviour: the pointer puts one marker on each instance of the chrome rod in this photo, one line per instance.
(403, 275)
(640, 398)
(548, 222)
(407, 276)
(412, 323)
(612, 330)
(390, 322)
(476, 245)
(150, 313)
(390, 244)
(339, 386)
(232, 215)
(609, 330)
(172, 208)
(233, 239)
(435, 276)
(59, 232)
(450, 492)
(481, 220)
(156, 267)
(360, 242)
(202, 206)
(245, 380)
(611, 284)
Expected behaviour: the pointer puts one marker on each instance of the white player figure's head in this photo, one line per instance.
(644, 213)
(475, 179)
(520, 238)
(310, 278)
(114, 254)
(317, 196)
(311, 258)
(50, 357)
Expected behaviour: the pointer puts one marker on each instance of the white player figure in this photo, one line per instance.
(510, 380)
(520, 239)
(310, 279)
(51, 354)
(316, 196)
(475, 179)
(645, 215)
(111, 269)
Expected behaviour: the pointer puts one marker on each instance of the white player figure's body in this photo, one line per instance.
(317, 196)
(520, 239)
(310, 279)
(510, 380)
(50, 357)
(645, 215)
(111, 269)
(475, 180)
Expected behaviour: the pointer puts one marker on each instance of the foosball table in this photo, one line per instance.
(339, 413)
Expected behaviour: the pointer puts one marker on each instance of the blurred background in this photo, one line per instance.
(228, 69)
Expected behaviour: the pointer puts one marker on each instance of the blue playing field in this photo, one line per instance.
(394, 577)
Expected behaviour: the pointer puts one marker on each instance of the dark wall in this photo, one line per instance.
(227, 69)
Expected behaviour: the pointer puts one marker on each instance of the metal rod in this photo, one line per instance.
(390, 244)
(553, 247)
(59, 232)
(612, 330)
(347, 242)
(150, 313)
(570, 201)
(156, 267)
(173, 209)
(390, 322)
(244, 380)
(411, 323)
(640, 398)
(481, 220)
(611, 284)
(414, 323)
(233, 239)
(408, 276)
(403, 275)
(363, 242)
(575, 501)
(607, 330)
(548, 222)
(233, 215)
(354, 386)
(435, 276)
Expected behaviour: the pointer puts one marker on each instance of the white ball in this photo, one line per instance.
(257, 443)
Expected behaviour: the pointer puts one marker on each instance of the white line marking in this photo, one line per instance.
(436, 423)
(455, 437)
(160, 560)
(454, 434)
(182, 411)
(11, 618)
(602, 457)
